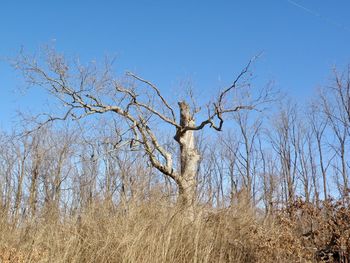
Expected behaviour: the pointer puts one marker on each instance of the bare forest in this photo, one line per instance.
(116, 170)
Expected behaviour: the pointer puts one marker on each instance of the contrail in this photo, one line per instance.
(326, 19)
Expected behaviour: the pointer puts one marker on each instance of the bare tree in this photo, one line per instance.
(229, 145)
(85, 91)
(22, 150)
(335, 101)
(8, 162)
(284, 141)
(246, 155)
(318, 126)
(269, 178)
(37, 155)
(305, 162)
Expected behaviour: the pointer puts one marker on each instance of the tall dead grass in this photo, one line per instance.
(155, 232)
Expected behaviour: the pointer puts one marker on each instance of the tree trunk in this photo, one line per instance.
(189, 160)
(323, 170)
(19, 192)
(33, 191)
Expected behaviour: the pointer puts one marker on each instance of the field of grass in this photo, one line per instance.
(155, 232)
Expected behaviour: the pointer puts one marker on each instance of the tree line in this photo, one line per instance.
(113, 146)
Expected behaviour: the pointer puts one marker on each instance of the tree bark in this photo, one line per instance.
(189, 160)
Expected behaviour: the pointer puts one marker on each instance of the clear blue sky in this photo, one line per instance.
(168, 41)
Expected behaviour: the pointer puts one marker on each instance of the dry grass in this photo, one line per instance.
(153, 232)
